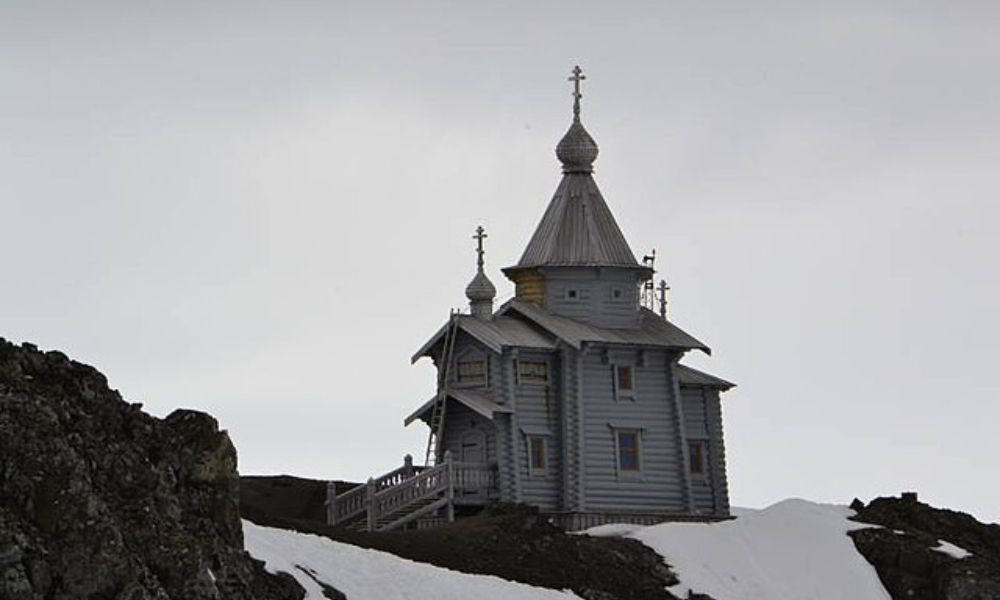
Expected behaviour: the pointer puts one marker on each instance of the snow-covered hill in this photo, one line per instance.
(369, 574)
(793, 550)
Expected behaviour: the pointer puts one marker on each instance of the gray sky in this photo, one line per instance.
(261, 210)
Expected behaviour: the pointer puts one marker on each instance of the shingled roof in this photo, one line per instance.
(577, 229)
(495, 334)
(652, 331)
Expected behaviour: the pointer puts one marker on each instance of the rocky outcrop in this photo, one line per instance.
(903, 550)
(101, 500)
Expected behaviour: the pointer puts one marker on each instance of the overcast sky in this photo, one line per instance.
(261, 210)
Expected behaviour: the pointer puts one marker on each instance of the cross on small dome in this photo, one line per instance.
(480, 289)
(577, 150)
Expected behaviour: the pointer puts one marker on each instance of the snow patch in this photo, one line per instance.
(793, 550)
(364, 574)
(610, 530)
(951, 550)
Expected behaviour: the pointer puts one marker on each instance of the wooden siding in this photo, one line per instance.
(538, 413)
(529, 285)
(510, 481)
(695, 421)
(576, 521)
(594, 302)
(696, 429)
(579, 411)
(571, 425)
(461, 421)
(717, 452)
(680, 431)
(468, 347)
(658, 487)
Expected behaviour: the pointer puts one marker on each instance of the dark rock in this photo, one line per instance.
(285, 496)
(100, 500)
(901, 550)
(329, 592)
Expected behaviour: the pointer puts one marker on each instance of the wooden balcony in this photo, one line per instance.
(412, 493)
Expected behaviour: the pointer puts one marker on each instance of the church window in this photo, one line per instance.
(617, 294)
(532, 371)
(623, 382)
(472, 371)
(537, 455)
(627, 448)
(572, 294)
(696, 457)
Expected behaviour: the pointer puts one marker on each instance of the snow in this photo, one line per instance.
(610, 530)
(951, 550)
(793, 550)
(364, 574)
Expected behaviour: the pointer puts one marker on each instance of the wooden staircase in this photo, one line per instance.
(410, 493)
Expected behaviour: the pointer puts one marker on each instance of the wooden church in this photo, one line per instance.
(571, 396)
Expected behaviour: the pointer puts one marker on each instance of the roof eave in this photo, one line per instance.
(425, 349)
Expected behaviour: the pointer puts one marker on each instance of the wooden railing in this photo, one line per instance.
(394, 478)
(407, 492)
(475, 478)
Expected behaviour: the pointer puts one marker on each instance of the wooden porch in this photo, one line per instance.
(424, 496)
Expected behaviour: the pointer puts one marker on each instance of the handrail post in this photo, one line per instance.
(407, 467)
(370, 499)
(450, 493)
(331, 503)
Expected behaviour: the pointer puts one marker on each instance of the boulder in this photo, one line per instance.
(100, 500)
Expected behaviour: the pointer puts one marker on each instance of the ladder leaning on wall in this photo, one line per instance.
(441, 400)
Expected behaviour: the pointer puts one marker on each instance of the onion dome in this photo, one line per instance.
(480, 288)
(577, 150)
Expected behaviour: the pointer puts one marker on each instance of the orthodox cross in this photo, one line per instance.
(479, 237)
(663, 298)
(577, 77)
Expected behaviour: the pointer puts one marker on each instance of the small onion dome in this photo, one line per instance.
(480, 288)
(577, 150)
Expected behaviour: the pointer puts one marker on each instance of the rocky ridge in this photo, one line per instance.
(904, 550)
(101, 500)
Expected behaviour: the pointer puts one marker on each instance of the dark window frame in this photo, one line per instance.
(532, 372)
(538, 447)
(635, 470)
(462, 376)
(698, 464)
(623, 392)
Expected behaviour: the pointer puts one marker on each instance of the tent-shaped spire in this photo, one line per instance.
(577, 228)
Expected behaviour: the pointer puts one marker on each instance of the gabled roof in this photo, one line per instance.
(652, 330)
(577, 229)
(495, 334)
(693, 377)
(474, 400)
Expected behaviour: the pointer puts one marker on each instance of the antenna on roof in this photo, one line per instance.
(648, 296)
